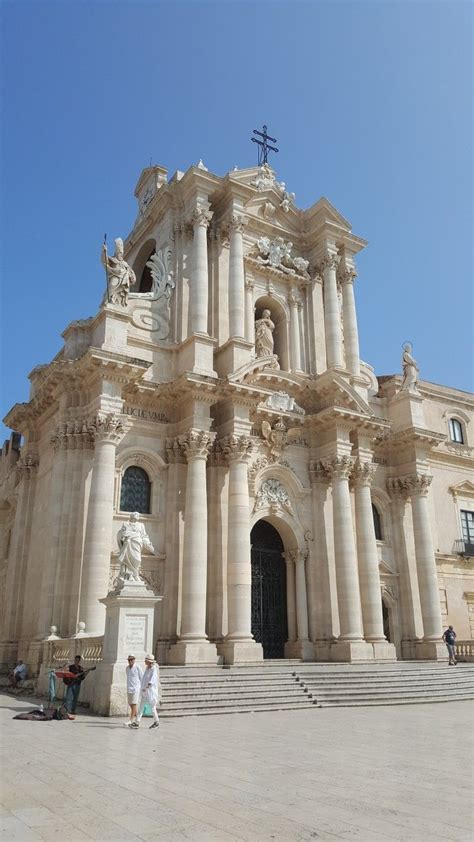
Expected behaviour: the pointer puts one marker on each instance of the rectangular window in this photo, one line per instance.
(467, 524)
(455, 431)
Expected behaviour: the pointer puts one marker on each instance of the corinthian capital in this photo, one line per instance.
(201, 217)
(236, 222)
(196, 444)
(346, 276)
(297, 556)
(329, 261)
(339, 467)
(363, 473)
(236, 448)
(174, 452)
(409, 486)
(110, 428)
(26, 466)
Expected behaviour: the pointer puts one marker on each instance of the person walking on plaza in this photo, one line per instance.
(449, 638)
(149, 692)
(73, 685)
(134, 686)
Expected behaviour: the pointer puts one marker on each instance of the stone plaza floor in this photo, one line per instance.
(381, 773)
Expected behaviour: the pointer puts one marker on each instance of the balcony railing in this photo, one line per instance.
(464, 548)
(465, 650)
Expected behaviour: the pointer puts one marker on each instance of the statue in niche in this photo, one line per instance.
(131, 539)
(120, 276)
(410, 369)
(264, 328)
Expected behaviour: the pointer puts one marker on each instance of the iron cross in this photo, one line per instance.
(263, 145)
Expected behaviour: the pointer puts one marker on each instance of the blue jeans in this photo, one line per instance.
(72, 695)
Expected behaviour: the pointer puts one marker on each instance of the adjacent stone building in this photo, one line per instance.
(297, 505)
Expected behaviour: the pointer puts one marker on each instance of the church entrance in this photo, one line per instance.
(386, 621)
(269, 620)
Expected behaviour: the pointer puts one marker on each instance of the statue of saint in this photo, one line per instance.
(264, 328)
(131, 539)
(410, 369)
(120, 276)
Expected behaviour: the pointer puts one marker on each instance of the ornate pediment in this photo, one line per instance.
(462, 489)
(276, 255)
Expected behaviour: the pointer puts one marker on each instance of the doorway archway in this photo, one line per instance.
(269, 613)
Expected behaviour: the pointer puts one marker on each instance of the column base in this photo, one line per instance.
(384, 651)
(240, 651)
(322, 650)
(303, 649)
(109, 696)
(350, 651)
(192, 652)
(232, 355)
(196, 354)
(431, 650)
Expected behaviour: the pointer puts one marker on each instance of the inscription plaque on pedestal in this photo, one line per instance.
(135, 631)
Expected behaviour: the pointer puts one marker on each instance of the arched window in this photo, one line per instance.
(456, 431)
(377, 523)
(135, 491)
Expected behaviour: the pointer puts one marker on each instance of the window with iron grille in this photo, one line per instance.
(377, 523)
(455, 431)
(135, 491)
(467, 524)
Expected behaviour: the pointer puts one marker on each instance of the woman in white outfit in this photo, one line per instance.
(149, 692)
(134, 686)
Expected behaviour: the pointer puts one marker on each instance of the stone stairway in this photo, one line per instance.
(294, 685)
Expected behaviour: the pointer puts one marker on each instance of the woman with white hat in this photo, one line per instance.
(149, 692)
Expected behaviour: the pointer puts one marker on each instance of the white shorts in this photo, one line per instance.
(133, 697)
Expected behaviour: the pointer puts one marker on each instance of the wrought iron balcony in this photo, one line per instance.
(464, 548)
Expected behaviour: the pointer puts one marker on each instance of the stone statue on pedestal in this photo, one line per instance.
(132, 538)
(264, 328)
(120, 276)
(410, 369)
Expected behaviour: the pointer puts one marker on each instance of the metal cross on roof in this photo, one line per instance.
(263, 145)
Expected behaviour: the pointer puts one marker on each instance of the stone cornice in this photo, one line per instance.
(414, 436)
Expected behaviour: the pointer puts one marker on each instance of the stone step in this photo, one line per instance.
(390, 694)
(402, 700)
(184, 685)
(256, 708)
(461, 681)
(178, 698)
(264, 698)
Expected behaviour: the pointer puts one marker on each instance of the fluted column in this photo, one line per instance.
(331, 312)
(347, 578)
(293, 301)
(107, 431)
(290, 597)
(418, 486)
(236, 277)
(249, 312)
(300, 557)
(410, 610)
(349, 320)
(369, 576)
(322, 620)
(200, 277)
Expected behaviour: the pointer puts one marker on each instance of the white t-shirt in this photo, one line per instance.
(134, 678)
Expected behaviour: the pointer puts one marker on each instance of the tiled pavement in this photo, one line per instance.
(372, 774)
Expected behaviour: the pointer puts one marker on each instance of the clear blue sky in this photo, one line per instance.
(371, 103)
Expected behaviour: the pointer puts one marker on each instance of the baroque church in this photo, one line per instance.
(296, 505)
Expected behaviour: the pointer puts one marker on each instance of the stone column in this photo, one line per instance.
(107, 431)
(236, 277)
(410, 610)
(418, 486)
(369, 576)
(349, 320)
(332, 314)
(290, 604)
(350, 645)
(295, 351)
(200, 277)
(304, 649)
(239, 644)
(322, 614)
(249, 312)
(193, 645)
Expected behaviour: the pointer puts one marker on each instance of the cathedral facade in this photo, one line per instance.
(295, 505)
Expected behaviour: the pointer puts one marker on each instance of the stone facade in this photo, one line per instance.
(167, 397)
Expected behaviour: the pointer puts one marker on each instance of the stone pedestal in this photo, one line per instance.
(348, 651)
(241, 651)
(406, 410)
(196, 354)
(426, 650)
(302, 649)
(129, 616)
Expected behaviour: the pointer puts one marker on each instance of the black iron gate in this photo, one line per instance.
(269, 619)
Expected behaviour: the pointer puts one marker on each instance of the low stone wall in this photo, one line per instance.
(60, 653)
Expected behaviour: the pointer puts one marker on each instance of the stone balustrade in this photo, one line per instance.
(465, 650)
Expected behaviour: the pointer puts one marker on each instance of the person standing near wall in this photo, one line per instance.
(449, 638)
(134, 686)
(149, 692)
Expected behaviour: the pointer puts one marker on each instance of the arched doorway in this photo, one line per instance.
(269, 619)
(386, 621)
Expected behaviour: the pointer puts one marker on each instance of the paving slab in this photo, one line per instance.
(374, 774)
